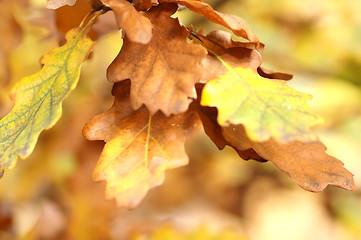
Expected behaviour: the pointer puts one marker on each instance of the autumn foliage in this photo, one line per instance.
(169, 81)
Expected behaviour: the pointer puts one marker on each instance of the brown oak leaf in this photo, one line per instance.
(236, 54)
(234, 23)
(136, 27)
(144, 4)
(208, 116)
(305, 162)
(163, 72)
(139, 148)
(225, 40)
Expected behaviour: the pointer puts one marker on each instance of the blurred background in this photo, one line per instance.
(51, 194)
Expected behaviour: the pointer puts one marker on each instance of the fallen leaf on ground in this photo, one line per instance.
(163, 72)
(267, 108)
(38, 98)
(139, 148)
(136, 27)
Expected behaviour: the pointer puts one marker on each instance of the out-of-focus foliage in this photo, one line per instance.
(52, 196)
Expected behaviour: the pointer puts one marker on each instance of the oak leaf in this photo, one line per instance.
(267, 108)
(139, 148)
(234, 23)
(38, 98)
(144, 4)
(136, 27)
(208, 116)
(54, 4)
(163, 72)
(305, 162)
(225, 40)
(236, 54)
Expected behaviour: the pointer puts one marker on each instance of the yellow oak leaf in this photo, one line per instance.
(306, 163)
(139, 148)
(38, 98)
(267, 108)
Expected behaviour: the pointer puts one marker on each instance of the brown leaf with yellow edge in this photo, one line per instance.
(234, 23)
(139, 148)
(163, 72)
(305, 162)
(136, 27)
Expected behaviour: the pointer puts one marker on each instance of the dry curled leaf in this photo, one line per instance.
(225, 40)
(136, 27)
(273, 75)
(234, 23)
(163, 72)
(139, 148)
(305, 162)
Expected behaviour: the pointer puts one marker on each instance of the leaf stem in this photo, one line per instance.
(92, 19)
(227, 66)
(147, 141)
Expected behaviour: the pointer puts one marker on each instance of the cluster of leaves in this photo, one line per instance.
(169, 80)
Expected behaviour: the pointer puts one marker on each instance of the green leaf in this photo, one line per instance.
(267, 108)
(38, 98)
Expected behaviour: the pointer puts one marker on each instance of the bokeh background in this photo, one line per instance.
(51, 194)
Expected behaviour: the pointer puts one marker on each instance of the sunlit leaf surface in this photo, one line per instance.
(38, 98)
(267, 108)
